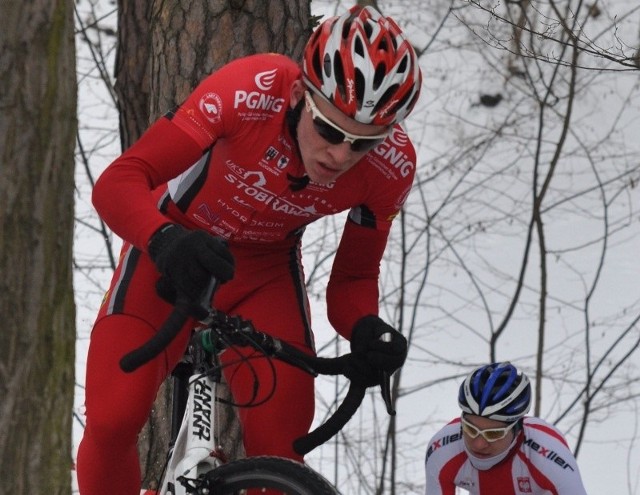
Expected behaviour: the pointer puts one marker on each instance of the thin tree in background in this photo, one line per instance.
(524, 203)
(37, 342)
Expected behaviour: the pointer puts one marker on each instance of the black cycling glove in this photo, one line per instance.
(187, 261)
(386, 353)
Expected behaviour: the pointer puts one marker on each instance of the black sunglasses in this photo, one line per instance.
(334, 134)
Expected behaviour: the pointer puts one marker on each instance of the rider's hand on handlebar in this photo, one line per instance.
(188, 260)
(380, 344)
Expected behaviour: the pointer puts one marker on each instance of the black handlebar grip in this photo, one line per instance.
(334, 424)
(154, 346)
(314, 365)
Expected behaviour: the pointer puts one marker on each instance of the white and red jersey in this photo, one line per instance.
(541, 463)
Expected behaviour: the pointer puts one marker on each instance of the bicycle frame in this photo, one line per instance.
(193, 452)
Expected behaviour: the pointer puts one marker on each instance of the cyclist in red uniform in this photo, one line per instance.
(494, 449)
(224, 186)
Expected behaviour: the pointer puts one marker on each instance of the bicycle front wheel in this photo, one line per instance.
(267, 473)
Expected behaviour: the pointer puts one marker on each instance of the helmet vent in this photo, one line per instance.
(403, 101)
(383, 45)
(403, 65)
(360, 85)
(368, 29)
(326, 66)
(394, 40)
(346, 27)
(358, 47)
(378, 77)
(339, 75)
(384, 99)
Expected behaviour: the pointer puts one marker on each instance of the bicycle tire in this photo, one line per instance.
(274, 473)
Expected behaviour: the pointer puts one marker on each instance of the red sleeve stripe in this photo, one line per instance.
(549, 431)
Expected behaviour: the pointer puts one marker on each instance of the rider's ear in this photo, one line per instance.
(297, 92)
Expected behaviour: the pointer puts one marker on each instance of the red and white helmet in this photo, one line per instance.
(362, 63)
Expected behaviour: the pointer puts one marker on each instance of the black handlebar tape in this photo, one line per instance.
(334, 424)
(319, 365)
(156, 344)
(385, 390)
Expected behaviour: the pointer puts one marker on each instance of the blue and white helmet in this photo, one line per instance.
(497, 391)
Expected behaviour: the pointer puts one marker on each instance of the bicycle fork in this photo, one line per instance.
(193, 452)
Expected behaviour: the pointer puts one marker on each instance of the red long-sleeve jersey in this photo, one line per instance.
(225, 162)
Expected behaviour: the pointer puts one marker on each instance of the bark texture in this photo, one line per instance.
(37, 342)
(192, 38)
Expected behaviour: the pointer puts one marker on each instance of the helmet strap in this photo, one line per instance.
(292, 118)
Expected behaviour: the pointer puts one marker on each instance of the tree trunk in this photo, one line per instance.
(132, 69)
(193, 38)
(162, 55)
(37, 342)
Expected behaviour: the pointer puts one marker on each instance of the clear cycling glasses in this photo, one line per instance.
(334, 134)
(490, 434)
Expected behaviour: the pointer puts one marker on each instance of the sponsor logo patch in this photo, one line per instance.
(264, 80)
(211, 107)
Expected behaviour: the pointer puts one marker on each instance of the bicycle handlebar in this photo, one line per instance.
(347, 408)
(334, 424)
(154, 346)
(247, 335)
(183, 310)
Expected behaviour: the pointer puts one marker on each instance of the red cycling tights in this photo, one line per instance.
(118, 403)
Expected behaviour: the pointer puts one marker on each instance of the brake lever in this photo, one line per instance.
(385, 390)
(205, 302)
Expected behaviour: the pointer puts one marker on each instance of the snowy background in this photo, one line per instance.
(464, 234)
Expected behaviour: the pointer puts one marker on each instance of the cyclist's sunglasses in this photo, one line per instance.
(490, 434)
(334, 134)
